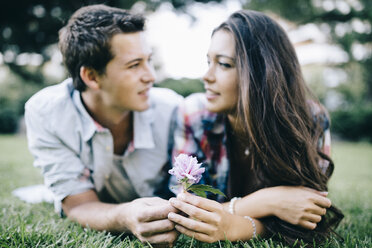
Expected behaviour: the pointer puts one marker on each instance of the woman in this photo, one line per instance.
(260, 134)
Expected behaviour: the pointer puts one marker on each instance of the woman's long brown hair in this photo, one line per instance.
(273, 110)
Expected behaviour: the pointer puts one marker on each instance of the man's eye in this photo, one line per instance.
(133, 66)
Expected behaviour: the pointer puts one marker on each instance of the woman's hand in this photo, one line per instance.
(296, 205)
(207, 220)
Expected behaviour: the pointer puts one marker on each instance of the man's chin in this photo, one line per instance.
(142, 108)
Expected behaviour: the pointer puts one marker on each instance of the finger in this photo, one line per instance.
(321, 193)
(150, 228)
(199, 202)
(318, 210)
(322, 201)
(305, 224)
(193, 211)
(313, 218)
(199, 236)
(162, 238)
(156, 212)
(155, 201)
(191, 224)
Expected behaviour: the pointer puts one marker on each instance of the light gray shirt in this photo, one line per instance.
(76, 154)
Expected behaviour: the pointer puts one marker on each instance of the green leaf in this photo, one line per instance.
(205, 188)
(200, 193)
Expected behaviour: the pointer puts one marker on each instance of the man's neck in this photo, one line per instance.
(120, 124)
(104, 115)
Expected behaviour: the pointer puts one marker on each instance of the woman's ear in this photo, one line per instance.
(89, 77)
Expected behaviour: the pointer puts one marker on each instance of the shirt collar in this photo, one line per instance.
(89, 126)
(143, 135)
(142, 122)
(214, 123)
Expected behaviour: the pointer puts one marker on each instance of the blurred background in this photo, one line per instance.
(333, 39)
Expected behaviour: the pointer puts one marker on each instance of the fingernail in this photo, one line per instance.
(170, 215)
(171, 200)
(325, 193)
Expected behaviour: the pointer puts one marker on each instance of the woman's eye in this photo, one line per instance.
(225, 65)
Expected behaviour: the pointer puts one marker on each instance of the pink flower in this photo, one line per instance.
(187, 169)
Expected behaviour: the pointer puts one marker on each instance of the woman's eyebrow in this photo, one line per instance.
(225, 56)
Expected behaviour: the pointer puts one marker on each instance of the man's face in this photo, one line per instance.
(129, 75)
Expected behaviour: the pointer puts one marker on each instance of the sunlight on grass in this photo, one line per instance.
(16, 168)
(27, 225)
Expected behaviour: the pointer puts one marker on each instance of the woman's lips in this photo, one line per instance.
(211, 95)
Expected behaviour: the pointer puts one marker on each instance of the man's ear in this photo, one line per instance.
(89, 77)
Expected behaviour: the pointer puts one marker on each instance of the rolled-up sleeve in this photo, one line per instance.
(64, 173)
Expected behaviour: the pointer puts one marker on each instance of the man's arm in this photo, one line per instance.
(145, 217)
(63, 173)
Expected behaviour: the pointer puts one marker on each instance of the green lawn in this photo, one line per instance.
(36, 225)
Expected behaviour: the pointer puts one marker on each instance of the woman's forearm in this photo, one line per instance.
(257, 204)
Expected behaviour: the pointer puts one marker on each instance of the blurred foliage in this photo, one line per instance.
(353, 123)
(14, 92)
(29, 32)
(184, 86)
(31, 28)
(347, 23)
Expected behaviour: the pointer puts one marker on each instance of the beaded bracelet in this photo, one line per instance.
(232, 211)
(232, 205)
(253, 225)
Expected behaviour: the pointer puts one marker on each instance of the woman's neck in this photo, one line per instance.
(236, 126)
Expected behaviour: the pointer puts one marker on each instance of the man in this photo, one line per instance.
(101, 137)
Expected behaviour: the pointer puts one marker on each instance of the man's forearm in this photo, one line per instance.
(100, 216)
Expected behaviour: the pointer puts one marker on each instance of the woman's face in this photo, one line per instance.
(221, 79)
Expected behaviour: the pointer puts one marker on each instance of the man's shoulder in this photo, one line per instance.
(51, 99)
(194, 106)
(193, 110)
(165, 97)
(195, 102)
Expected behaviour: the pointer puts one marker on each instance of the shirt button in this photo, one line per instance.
(108, 148)
(107, 177)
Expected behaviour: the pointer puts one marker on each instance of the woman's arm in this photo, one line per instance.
(208, 221)
(296, 205)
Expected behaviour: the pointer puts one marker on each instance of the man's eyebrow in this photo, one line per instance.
(134, 60)
(137, 59)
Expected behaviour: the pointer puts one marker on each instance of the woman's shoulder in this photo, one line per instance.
(319, 114)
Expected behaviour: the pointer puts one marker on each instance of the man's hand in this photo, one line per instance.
(147, 219)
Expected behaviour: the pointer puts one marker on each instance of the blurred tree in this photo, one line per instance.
(183, 86)
(31, 27)
(348, 23)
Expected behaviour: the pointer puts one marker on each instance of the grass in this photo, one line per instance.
(36, 225)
